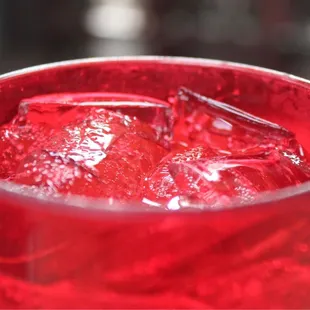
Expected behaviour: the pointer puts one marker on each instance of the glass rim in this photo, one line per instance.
(11, 192)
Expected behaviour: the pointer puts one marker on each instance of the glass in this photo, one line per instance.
(82, 253)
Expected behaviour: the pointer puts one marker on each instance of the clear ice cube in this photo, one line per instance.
(223, 180)
(63, 107)
(118, 149)
(225, 128)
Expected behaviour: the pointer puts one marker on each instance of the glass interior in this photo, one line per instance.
(277, 97)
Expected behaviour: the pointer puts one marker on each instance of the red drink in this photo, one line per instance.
(103, 129)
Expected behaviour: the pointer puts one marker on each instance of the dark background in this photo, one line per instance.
(269, 33)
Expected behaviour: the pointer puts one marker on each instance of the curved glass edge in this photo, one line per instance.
(161, 59)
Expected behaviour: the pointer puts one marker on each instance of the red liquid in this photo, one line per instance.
(191, 153)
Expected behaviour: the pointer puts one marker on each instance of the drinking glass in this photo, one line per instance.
(84, 253)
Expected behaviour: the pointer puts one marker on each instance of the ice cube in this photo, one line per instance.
(54, 174)
(160, 187)
(9, 154)
(90, 141)
(220, 181)
(119, 150)
(128, 162)
(64, 107)
(16, 142)
(229, 130)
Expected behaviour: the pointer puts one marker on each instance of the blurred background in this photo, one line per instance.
(269, 33)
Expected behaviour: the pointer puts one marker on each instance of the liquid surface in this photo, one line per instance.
(190, 152)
